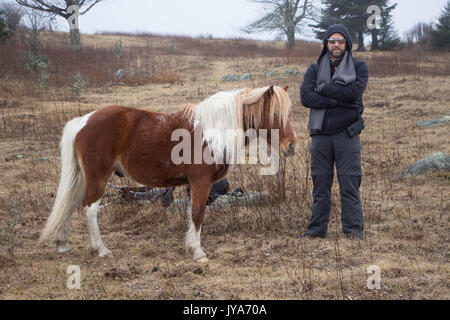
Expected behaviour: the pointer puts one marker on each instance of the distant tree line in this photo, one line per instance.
(436, 36)
(289, 17)
(440, 35)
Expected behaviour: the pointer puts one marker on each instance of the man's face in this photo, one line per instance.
(336, 45)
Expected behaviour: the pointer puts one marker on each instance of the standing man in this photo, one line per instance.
(332, 88)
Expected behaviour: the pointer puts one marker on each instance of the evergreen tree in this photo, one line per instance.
(351, 13)
(385, 38)
(440, 37)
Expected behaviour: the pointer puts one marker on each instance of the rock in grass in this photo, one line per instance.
(290, 72)
(435, 122)
(245, 77)
(435, 161)
(226, 201)
(119, 74)
(230, 78)
(270, 74)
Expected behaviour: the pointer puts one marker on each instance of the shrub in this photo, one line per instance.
(78, 84)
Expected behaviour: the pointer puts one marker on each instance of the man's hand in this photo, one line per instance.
(336, 103)
(319, 88)
(347, 105)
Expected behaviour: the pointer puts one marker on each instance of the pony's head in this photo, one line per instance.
(268, 108)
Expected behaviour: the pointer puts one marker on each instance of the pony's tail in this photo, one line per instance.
(71, 187)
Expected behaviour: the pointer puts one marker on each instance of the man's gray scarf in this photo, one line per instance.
(344, 74)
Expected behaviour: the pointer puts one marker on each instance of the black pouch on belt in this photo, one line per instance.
(356, 128)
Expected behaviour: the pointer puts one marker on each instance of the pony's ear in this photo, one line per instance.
(286, 88)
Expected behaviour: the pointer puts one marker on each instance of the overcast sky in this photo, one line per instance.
(220, 18)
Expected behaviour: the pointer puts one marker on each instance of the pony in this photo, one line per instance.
(139, 144)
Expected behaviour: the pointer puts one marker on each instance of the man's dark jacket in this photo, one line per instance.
(337, 117)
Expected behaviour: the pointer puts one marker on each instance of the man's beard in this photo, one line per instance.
(336, 54)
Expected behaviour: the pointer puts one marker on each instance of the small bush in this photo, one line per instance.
(78, 85)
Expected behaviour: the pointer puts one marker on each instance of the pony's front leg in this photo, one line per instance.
(195, 213)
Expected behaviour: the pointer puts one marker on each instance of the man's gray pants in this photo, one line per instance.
(345, 152)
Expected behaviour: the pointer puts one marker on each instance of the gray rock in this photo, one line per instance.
(119, 74)
(245, 77)
(230, 78)
(225, 201)
(435, 161)
(430, 123)
(290, 72)
(270, 74)
(247, 199)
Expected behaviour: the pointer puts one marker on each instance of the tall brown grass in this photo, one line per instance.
(160, 56)
(409, 61)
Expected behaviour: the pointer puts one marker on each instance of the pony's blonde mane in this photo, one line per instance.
(250, 107)
(235, 110)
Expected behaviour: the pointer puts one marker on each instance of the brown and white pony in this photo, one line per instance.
(139, 145)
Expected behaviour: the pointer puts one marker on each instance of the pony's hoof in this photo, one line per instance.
(105, 253)
(203, 260)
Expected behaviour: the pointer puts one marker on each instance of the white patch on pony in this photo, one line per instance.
(94, 231)
(193, 237)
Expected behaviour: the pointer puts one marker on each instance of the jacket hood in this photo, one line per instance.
(342, 30)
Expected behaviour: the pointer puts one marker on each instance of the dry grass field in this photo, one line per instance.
(254, 251)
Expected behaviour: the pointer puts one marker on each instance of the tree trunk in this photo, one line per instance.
(290, 38)
(75, 42)
(361, 41)
(375, 44)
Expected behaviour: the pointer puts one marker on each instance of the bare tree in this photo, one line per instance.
(13, 15)
(63, 8)
(37, 21)
(419, 33)
(284, 16)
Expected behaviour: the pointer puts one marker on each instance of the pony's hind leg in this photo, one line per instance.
(62, 237)
(195, 213)
(94, 231)
(95, 187)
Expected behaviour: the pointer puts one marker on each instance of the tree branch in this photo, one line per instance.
(89, 8)
(46, 6)
(41, 6)
(282, 15)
